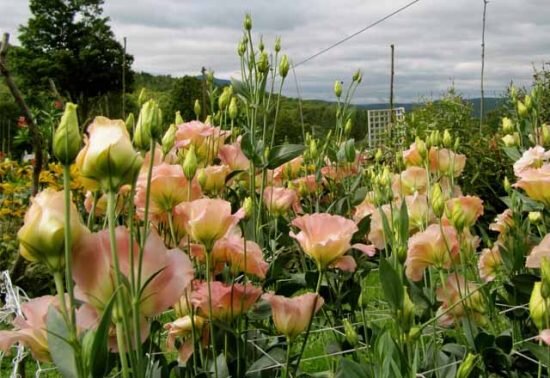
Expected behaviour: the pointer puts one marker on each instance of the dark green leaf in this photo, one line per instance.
(279, 155)
(100, 351)
(61, 351)
(351, 369)
(391, 285)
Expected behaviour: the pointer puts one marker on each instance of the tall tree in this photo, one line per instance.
(70, 42)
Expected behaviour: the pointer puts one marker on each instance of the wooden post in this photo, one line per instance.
(391, 83)
(203, 110)
(481, 110)
(124, 79)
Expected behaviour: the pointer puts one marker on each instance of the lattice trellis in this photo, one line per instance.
(380, 124)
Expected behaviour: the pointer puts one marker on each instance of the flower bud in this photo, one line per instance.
(142, 97)
(467, 366)
(506, 184)
(338, 88)
(66, 140)
(414, 334)
(313, 149)
(538, 306)
(247, 207)
(284, 66)
(179, 119)
(169, 139)
(457, 217)
(447, 139)
(261, 46)
(130, 123)
(535, 217)
(210, 78)
(277, 47)
(407, 312)
(263, 63)
(225, 97)
(513, 93)
(197, 108)
(437, 200)
(522, 109)
(348, 126)
(545, 134)
(247, 23)
(509, 140)
(457, 144)
(421, 147)
(545, 276)
(435, 138)
(357, 76)
(190, 163)
(208, 120)
(202, 178)
(233, 109)
(507, 125)
(528, 101)
(351, 334)
(149, 125)
(241, 48)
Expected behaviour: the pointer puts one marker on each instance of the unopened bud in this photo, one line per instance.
(241, 48)
(202, 178)
(190, 163)
(507, 186)
(407, 318)
(197, 109)
(66, 140)
(351, 334)
(467, 366)
(208, 120)
(507, 125)
(149, 125)
(130, 123)
(169, 139)
(247, 207)
(437, 200)
(225, 97)
(447, 139)
(233, 109)
(348, 126)
(263, 63)
(509, 140)
(338, 88)
(457, 216)
(142, 97)
(247, 23)
(522, 109)
(535, 217)
(178, 120)
(378, 155)
(421, 147)
(284, 66)
(357, 76)
(538, 306)
(545, 134)
(457, 144)
(545, 277)
(261, 46)
(528, 101)
(210, 77)
(313, 148)
(435, 138)
(277, 47)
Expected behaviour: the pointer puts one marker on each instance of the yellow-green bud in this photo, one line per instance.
(421, 147)
(202, 178)
(457, 144)
(66, 140)
(509, 140)
(535, 217)
(247, 23)
(378, 155)
(351, 334)
(357, 76)
(545, 276)
(538, 306)
(414, 333)
(225, 97)
(545, 134)
(457, 217)
(467, 365)
(348, 126)
(407, 318)
(208, 120)
(435, 138)
(261, 46)
(130, 123)
(247, 207)
(507, 125)
(284, 66)
(447, 139)
(241, 48)
(313, 148)
(385, 177)
(190, 163)
(149, 125)
(528, 101)
(233, 109)
(522, 109)
(277, 47)
(263, 62)
(338, 88)
(178, 120)
(437, 200)
(142, 97)
(513, 93)
(506, 184)
(169, 139)
(197, 108)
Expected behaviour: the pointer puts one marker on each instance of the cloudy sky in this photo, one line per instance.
(437, 41)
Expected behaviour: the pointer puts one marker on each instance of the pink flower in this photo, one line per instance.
(228, 301)
(182, 329)
(233, 156)
(502, 222)
(94, 275)
(291, 316)
(489, 263)
(30, 329)
(534, 157)
(376, 231)
(212, 178)
(540, 251)
(365, 208)
(411, 180)
(544, 335)
(436, 246)
(206, 139)
(344, 263)
(536, 183)
(412, 156)
(459, 298)
(306, 185)
(471, 206)
(324, 237)
(209, 220)
(169, 187)
(231, 250)
(279, 200)
(446, 162)
(419, 211)
(290, 170)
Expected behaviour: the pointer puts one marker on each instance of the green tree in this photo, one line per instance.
(184, 92)
(71, 43)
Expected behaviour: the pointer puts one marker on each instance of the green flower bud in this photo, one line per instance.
(338, 88)
(66, 140)
(348, 126)
(169, 139)
(538, 306)
(142, 97)
(545, 134)
(545, 276)
(241, 48)
(261, 46)
(509, 140)
(507, 125)
(447, 139)
(457, 217)
(378, 155)
(507, 186)
(467, 365)
(149, 125)
(351, 334)
(208, 120)
(263, 63)
(130, 123)
(528, 101)
(179, 119)
(513, 93)
(437, 200)
(202, 178)
(225, 97)
(197, 109)
(357, 76)
(421, 147)
(277, 47)
(313, 149)
(233, 109)
(435, 138)
(247, 207)
(535, 217)
(190, 163)
(247, 23)
(284, 66)
(522, 109)
(407, 313)
(414, 333)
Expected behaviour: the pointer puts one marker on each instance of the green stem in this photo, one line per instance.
(212, 336)
(286, 373)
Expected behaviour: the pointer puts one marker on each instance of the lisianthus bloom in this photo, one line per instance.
(30, 329)
(459, 298)
(212, 178)
(182, 329)
(489, 263)
(412, 156)
(232, 155)
(108, 156)
(171, 270)
(324, 237)
(436, 246)
(410, 181)
(209, 219)
(536, 183)
(534, 157)
(240, 255)
(544, 336)
(446, 162)
(290, 170)
(206, 139)
(365, 208)
(503, 222)
(291, 316)
(279, 200)
(376, 231)
(471, 208)
(306, 185)
(338, 172)
(228, 301)
(346, 263)
(540, 251)
(419, 211)
(169, 187)
(42, 237)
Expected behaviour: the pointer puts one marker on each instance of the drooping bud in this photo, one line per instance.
(130, 123)
(233, 109)
(149, 125)
(247, 23)
(66, 140)
(197, 108)
(277, 47)
(447, 139)
(507, 125)
(169, 139)
(284, 66)
(351, 334)
(338, 88)
(190, 163)
(179, 119)
(437, 200)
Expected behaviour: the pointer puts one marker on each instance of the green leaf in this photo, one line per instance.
(279, 155)
(512, 152)
(99, 352)
(404, 222)
(391, 285)
(61, 351)
(266, 362)
(351, 369)
(540, 352)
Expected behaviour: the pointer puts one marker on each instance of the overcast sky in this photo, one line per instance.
(438, 42)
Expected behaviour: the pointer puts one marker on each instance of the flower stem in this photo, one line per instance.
(286, 373)
(212, 336)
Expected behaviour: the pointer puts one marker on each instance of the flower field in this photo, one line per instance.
(202, 248)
